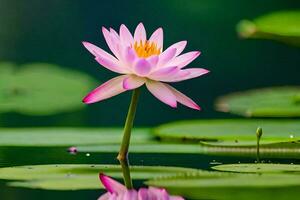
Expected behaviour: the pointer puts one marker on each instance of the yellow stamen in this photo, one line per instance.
(146, 49)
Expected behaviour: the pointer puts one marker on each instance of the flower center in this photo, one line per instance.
(146, 49)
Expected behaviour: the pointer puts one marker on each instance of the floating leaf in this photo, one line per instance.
(284, 150)
(107, 140)
(41, 89)
(297, 98)
(266, 102)
(67, 136)
(147, 147)
(66, 183)
(259, 168)
(230, 186)
(231, 130)
(272, 150)
(282, 26)
(78, 177)
(290, 143)
(236, 137)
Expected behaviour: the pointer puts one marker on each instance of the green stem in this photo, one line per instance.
(259, 133)
(126, 173)
(123, 153)
(257, 151)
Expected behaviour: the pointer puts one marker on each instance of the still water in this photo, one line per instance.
(46, 155)
(51, 32)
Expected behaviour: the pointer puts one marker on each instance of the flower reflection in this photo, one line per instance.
(117, 191)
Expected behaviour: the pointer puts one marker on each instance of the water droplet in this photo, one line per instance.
(291, 136)
(87, 154)
(214, 162)
(239, 162)
(292, 163)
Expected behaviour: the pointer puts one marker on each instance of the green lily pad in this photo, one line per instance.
(291, 144)
(285, 150)
(66, 183)
(107, 140)
(147, 147)
(67, 136)
(259, 168)
(41, 89)
(266, 102)
(230, 186)
(297, 98)
(78, 177)
(272, 150)
(231, 130)
(281, 26)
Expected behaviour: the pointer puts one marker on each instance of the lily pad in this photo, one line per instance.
(107, 140)
(266, 102)
(41, 89)
(231, 131)
(297, 98)
(67, 136)
(259, 168)
(285, 150)
(272, 150)
(230, 186)
(147, 147)
(281, 26)
(78, 177)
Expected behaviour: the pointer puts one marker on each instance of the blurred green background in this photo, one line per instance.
(52, 31)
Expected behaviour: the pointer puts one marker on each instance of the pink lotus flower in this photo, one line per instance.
(117, 191)
(143, 61)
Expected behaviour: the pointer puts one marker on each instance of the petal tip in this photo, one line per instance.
(173, 105)
(86, 100)
(86, 44)
(205, 71)
(105, 181)
(196, 107)
(104, 30)
(102, 176)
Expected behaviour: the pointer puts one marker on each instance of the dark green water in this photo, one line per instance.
(46, 155)
(30, 156)
(35, 31)
(52, 31)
